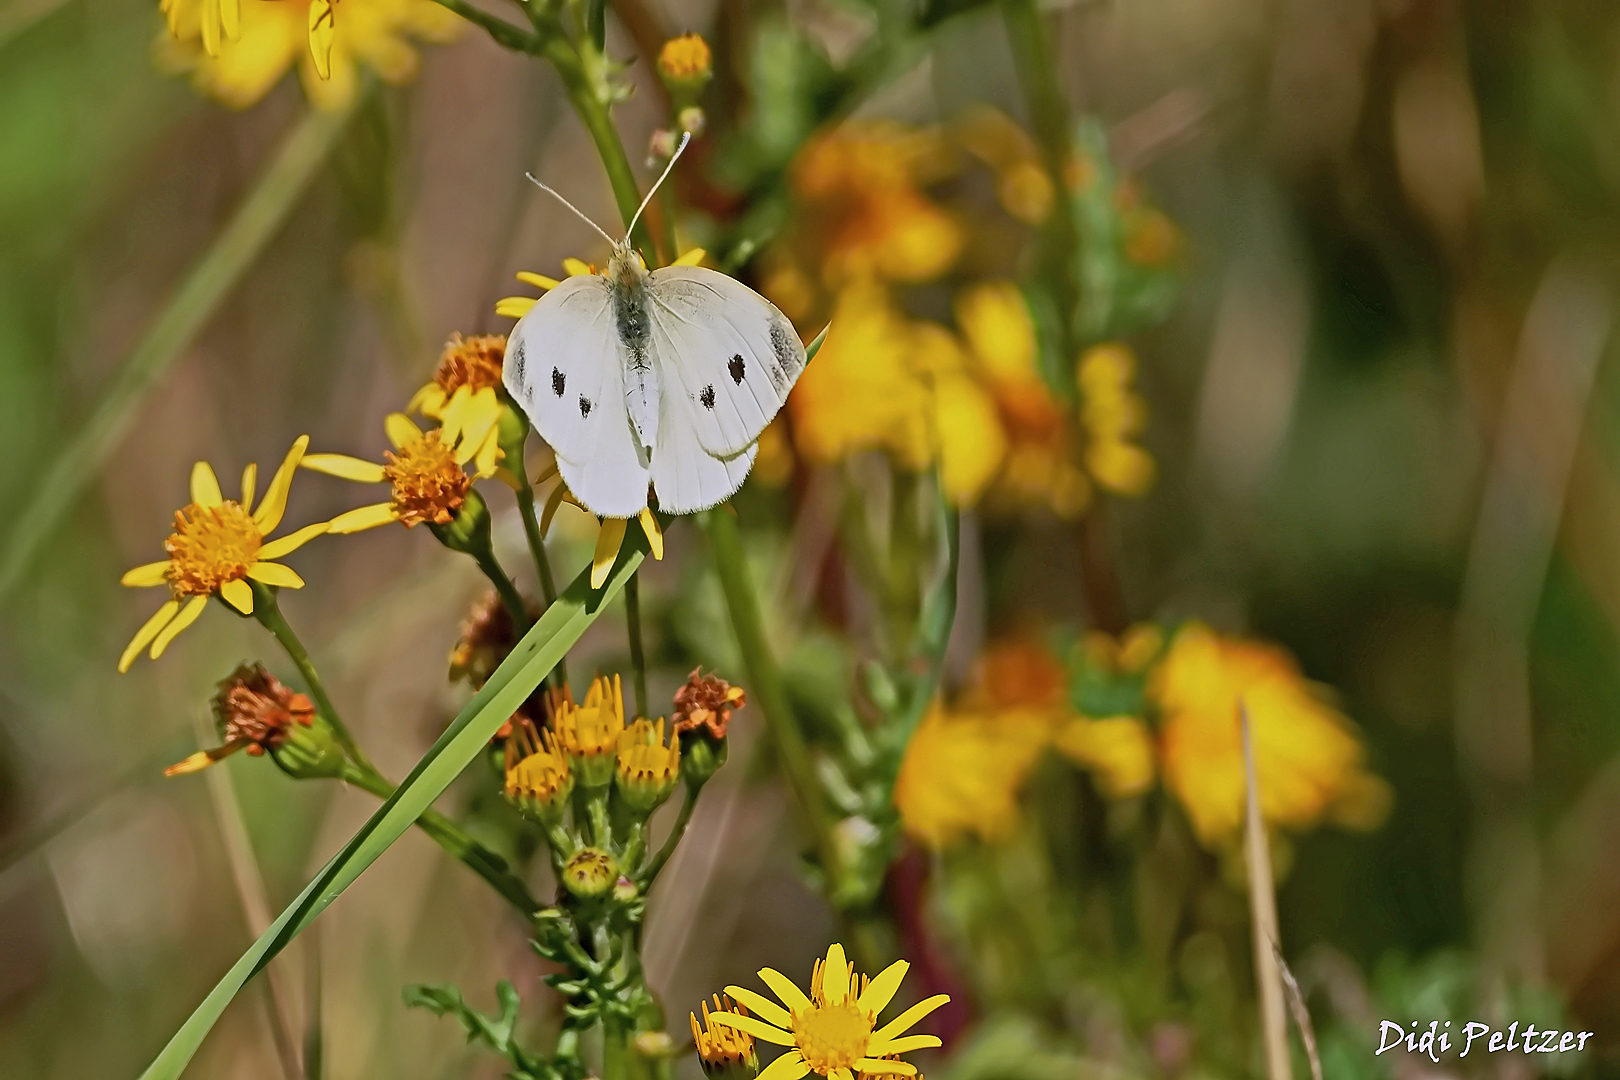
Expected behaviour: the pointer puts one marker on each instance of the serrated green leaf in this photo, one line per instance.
(529, 662)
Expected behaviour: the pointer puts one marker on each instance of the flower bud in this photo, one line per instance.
(660, 147)
(684, 63)
(310, 753)
(703, 708)
(726, 1053)
(590, 873)
(647, 768)
(692, 119)
(538, 781)
(588, 734)
(468, 531)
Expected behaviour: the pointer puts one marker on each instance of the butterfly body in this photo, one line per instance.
(663, 377)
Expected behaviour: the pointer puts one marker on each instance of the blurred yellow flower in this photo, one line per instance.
(864, 210)
(1112, 416)
(426, 474)
(832, 1031)
(1309, 760)
(217, 546)
(236, 50)
(465, 394)
(1117, 750)
(962, 773)
(1022, 185)
(684, 58)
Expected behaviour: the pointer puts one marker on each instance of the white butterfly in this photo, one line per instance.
(665, 377)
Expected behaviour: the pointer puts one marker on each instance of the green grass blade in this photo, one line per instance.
(213, 277)
(518, 675)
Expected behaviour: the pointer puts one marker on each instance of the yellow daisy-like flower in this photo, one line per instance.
(833, 1030)
(1309, 760)
(962, 773)
(236, 50)
(218, 544)
(610, 536)
(427, 473)
(465, 394)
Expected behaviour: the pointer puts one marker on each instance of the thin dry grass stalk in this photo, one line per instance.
(1263, 919)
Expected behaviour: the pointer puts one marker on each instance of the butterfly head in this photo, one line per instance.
(625, 267)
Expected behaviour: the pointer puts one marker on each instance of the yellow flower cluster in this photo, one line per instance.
(966, 764)
(969, 398)
(236, 50)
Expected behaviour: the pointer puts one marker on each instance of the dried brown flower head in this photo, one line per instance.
(255, 707)
(487, 635)
(706, 702)
(473, 362)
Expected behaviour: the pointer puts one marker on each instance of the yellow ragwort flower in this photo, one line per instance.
(833, 1030)
(1116, 750)
(647, 766)
(217, 546)
(685, 58)
(538, 780)
(236, 50)
(426, 473)
(723, 1050)
(588, 733)
(1309, 760)
(1113, 416)
(465, 395)
(962, 773)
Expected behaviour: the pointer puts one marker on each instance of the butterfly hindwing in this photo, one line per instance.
(564, 367)
(726, 351)
(686, 476)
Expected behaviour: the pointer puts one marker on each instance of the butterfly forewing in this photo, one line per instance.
(564, 367)
(726, 351)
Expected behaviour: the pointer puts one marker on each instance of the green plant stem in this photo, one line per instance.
(765, 681)
(638, 656)
(682, 819)
(500, 31)
(211, 279)
(507, 591)
(268, 611)
(537, 543)
(450, 836)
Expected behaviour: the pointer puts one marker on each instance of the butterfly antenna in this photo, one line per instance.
(686, 137)
(558, 196)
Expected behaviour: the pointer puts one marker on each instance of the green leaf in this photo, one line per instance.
(534, 656)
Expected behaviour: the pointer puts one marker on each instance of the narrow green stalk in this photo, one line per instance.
(765, 681)
(209, 282)
(450, 836)
(500, 31)
(537, 543)
(507, 591)
(268, 612)
(638, 656)
(682, 820)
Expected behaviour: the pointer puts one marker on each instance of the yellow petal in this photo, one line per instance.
(400, 429)
(655, 535)
(205, 486)
(149, 630)
(882, 1065)
(429, 401)
(345, 467)
(900, 1023)
(876, 997)
(835, 975)
(607, 549)
(903, 1045)
(788, 1066)
(514, 307)
(272, 573)
(784, 988)
(691, 258)
(508, 477)
(187, 616)
(285, 545)
(539, 281)
(210, 27)
(146, 575)
(452, 418)
(553, 501)
(322, 32)
(238, 594)
(230, 18)
(576, 268)
(268, 515)
(840, 1074)
(759, 1029)
(204, 758)
(763, 1007)
(365, 517)
(550, 471)
(250, 483)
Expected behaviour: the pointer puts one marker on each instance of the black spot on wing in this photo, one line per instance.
(584, 406)
(737, 369)
(707, 397)
(558, 381)
(513, 365)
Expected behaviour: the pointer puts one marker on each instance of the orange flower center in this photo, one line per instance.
(210, 546)
(832, 1036)
(473, 362)
(428, 484)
